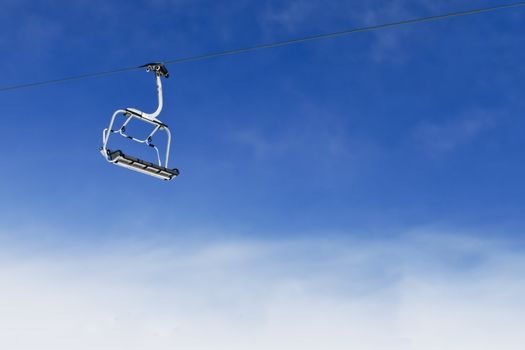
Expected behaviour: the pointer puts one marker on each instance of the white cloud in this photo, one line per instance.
(423, 291)
(317, 134)
(297, 18)
(450, 134)
(289, 16)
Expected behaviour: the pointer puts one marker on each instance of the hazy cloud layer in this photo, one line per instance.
(426, 290)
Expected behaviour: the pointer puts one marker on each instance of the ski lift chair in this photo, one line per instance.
(160, 169)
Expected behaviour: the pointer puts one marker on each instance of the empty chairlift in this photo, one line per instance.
(160, 169)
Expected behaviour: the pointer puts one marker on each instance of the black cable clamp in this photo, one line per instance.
(157, 67)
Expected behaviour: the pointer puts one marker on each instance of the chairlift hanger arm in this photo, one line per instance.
(160, 100)
(160, 71)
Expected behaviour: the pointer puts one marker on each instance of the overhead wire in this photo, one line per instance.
(216, 54)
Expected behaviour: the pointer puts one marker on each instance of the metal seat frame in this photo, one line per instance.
(150, 118)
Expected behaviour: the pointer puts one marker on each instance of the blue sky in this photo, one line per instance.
(300, 158)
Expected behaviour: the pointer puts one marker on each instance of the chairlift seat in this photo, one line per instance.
(119, 158)
(159, 170)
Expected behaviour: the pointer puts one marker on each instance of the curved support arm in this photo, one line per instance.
(154, 115)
